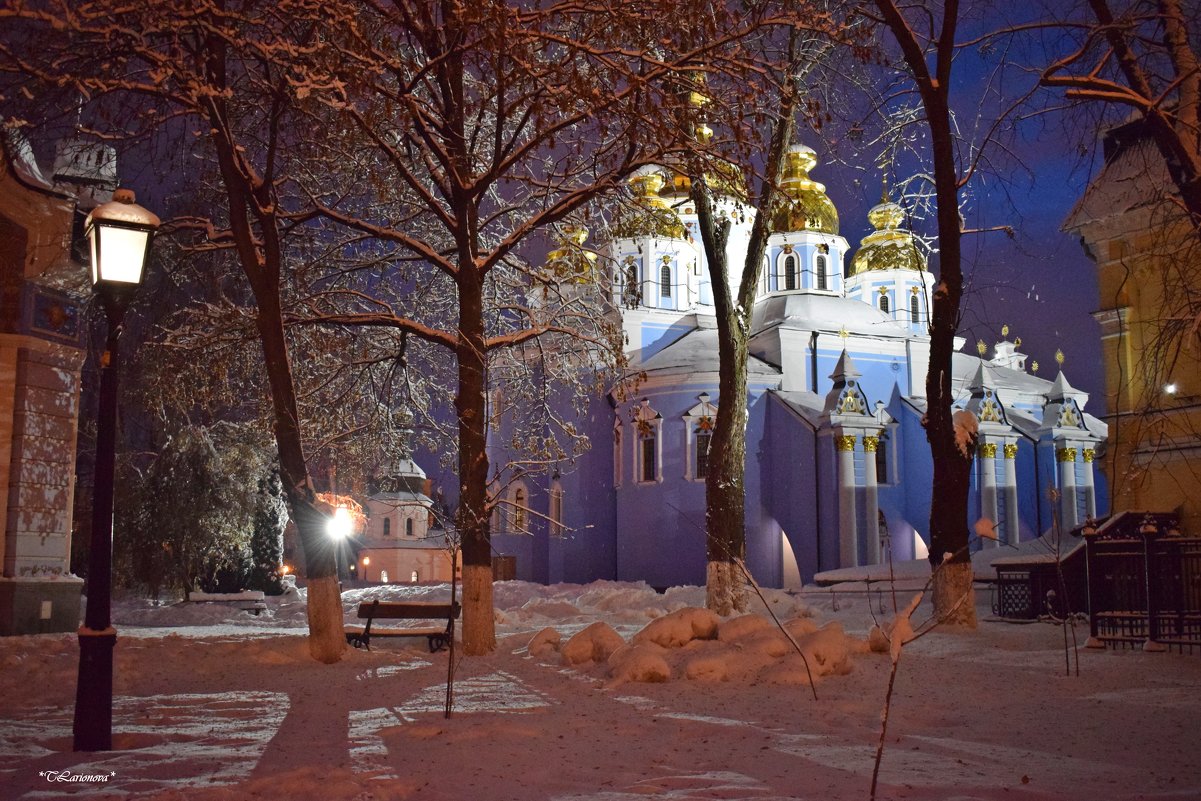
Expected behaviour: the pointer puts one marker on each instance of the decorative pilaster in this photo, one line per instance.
(1012, 522)
(1066, 458)
(848, 546)
(871, 498)
(986, 461)
(1088, 484)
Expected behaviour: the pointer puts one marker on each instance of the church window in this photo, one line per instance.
(556, 509)
(790, 272)
(387, 527)
(698, 437)
(884, 303)
(383, 576)
(520, 513)
(665, 281)
(617, 454)
(914, 309)
(882, 460)
(820, 268)
(408, 526)
(414, 578)
(646, 444)
(703, 438)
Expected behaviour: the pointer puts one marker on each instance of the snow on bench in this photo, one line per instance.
(247, 600)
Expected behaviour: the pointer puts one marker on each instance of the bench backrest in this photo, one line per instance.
(407, 610)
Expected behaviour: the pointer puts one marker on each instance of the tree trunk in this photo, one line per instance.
(261, 258)
(725, 491)
(953, 599)
(479, 629)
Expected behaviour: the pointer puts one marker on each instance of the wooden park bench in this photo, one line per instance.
(371, 611)
(251, 601)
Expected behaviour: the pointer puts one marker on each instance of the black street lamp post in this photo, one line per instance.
(119, 234)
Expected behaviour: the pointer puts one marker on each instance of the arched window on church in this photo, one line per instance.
(556, 509)
(520, 518)
(408, 526)
(882, 460)
(703, 437)
(647, 424)
(387, 527)
(914, 309)
(665, 281)
(819, 266)
(884, 303)
(790, 276)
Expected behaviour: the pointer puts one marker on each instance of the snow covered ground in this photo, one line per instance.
(213, 703)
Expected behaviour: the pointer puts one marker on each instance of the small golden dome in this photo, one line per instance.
(651, 215)
(805, 206)
(889, 247)
(570, 262)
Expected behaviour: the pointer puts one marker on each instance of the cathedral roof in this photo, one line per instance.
(889, 247)
(805, 206)
(825, 313)
(696, 352)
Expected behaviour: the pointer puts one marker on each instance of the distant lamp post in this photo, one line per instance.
(119, 234)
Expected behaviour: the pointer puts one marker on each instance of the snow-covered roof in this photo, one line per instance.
(1135, 177)
(401, 497)
(808, 405)
(696, 352)
(20, 159)
(813, 312)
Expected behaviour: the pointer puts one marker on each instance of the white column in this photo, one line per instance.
(1066, 458)
(871, 524)
(848, 544)
(986, 459)
(1088, 487)
(1013, 526)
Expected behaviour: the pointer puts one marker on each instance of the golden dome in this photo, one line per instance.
(889, 247)
(805, 206)
(650, 215)
(570, 262)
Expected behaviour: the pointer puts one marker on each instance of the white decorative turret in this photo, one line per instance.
(888, 271)
(804, 250)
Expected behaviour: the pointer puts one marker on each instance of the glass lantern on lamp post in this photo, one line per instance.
(119, 234)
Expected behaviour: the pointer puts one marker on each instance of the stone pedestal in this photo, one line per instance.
(39, 413)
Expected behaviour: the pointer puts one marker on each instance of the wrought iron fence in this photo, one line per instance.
(1144, 584)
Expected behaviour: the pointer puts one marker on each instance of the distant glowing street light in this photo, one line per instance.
(1170, 388)
(366, 561)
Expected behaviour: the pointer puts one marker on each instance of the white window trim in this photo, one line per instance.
(645, 414)
(782, 271)
(691, 418)
(820, 272)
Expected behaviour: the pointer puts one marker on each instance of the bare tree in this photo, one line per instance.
(927, 44)
(227, 75)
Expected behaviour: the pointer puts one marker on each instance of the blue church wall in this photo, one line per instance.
(789, 493)
(660, 524)
(586, 551)
(763, 555)
(914, 463)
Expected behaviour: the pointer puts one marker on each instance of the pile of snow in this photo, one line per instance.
(695, 644)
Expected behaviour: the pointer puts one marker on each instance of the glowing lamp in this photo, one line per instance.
(340, 525)
(119, 234)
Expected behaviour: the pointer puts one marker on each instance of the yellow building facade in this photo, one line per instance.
(1148, 260)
